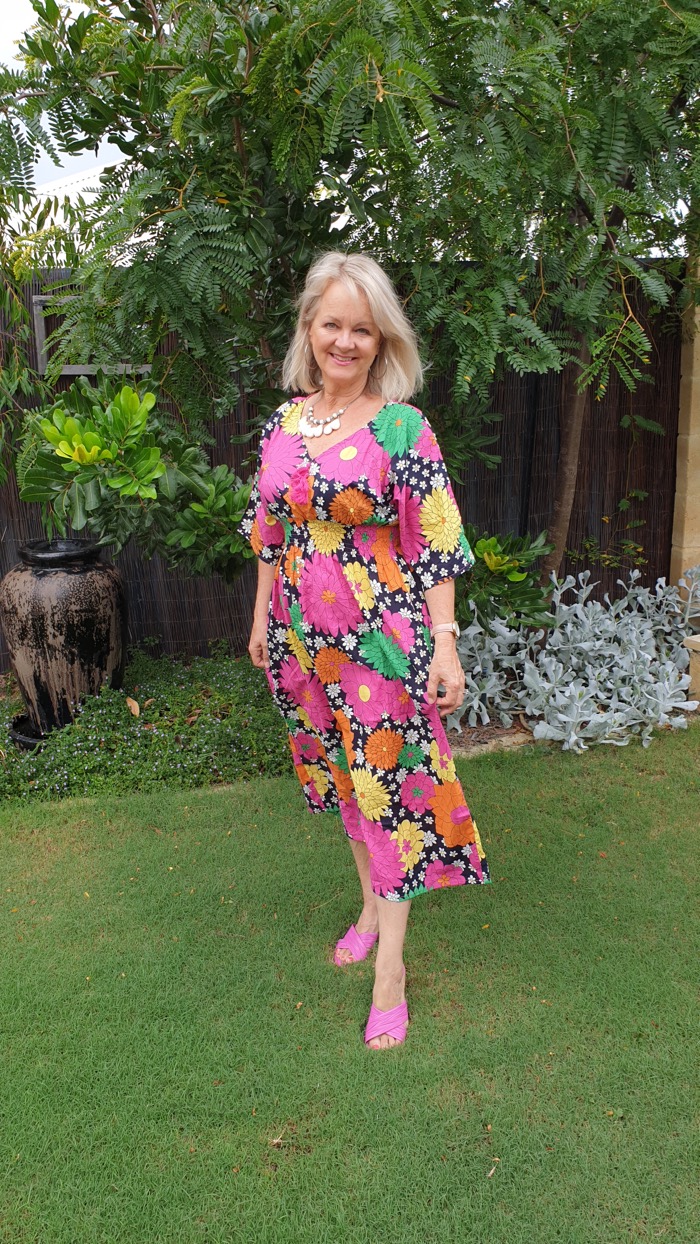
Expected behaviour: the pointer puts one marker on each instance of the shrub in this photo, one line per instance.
(607, 671)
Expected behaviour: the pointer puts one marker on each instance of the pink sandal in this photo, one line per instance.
(359, 945)
(387, 1023)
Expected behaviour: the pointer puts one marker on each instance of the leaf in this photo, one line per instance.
(133, 706)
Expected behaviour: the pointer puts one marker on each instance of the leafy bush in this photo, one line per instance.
(505, 581)
(607, 671)
(209, 722)
(101, 460)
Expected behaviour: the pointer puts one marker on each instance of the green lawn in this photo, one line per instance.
(180, 1062)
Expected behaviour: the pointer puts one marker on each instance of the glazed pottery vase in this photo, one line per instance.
(63, 613)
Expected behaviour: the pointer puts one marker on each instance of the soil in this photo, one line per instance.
(480, 740)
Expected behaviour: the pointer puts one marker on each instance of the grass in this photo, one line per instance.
(181, 1063)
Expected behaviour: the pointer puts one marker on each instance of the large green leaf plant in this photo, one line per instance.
(100, 459)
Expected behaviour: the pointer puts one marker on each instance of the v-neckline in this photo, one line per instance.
(345, 439)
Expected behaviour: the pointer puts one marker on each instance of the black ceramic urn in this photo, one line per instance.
(63, 612)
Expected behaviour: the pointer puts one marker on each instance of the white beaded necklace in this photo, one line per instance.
(310, 426)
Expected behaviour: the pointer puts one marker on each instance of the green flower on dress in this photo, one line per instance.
(297, 619)
(466, 548)
(397, 428)
(411, 758)
(341, 761)
(384, 655)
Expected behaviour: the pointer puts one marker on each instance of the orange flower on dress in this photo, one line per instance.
(329, 662)
(382, 748)
(303, 774)
(345, 733)
(255, 539)
(351, 507)
(385, 556)
(293, 564)
(452, 817)
(343, 782)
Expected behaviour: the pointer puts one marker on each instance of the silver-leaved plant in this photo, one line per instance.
(602, 673)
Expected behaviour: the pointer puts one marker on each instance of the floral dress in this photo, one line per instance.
(357, 534)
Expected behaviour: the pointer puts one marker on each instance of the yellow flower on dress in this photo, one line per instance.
(441, 764)
(372, 795)
(360, 584)
(297, 647)
(306, 720)
(409, 841)
(318, 777)
(326, 536)
(290, 421)
(477, 840)
(440, 521)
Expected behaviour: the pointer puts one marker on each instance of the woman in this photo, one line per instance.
(359, 539)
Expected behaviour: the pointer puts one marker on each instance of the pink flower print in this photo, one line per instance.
(280, 457)
(299, 481)
(427, 445)
(270, 681)
(312, 792)
(367, 693)
(313, 699)
(278, 603)
(385, 870)
(402, 706)
(397, 627)
(416, 791)
(475, 861)
(432, 712)
(344, 462)
(326, 598)
(270, 528)
(427, 620)
(439, 876)
(410, 533)
(350, 814)
(364, 539)
(376, 467)
(305, 748)
(292, 679)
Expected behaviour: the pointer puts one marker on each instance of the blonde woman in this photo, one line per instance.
(359, 541)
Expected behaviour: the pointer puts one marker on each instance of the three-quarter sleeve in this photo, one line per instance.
(263, 530)
(431, 534)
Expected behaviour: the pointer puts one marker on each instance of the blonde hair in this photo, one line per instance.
(396, 372)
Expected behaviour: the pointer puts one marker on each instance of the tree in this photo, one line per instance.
(521, 165)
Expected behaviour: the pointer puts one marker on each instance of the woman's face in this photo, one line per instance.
(344, 337)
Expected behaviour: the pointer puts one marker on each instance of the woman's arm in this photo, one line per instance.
(445, 669)
(257, 645)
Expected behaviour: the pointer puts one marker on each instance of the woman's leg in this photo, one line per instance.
(389, 976)
(368, 920)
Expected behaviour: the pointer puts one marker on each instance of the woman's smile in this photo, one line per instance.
(343, 335)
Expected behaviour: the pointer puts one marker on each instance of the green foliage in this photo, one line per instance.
(504, 582)
(212, 720)
(101, 460)
(518, 186)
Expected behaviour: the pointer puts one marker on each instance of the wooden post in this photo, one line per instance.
(685, 548)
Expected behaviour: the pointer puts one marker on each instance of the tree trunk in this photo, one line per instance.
(572, 411)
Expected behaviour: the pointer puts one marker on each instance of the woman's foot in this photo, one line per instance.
(389, 994)
(366, 924)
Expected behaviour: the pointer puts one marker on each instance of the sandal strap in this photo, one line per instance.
(359, 944)
(387, 1023)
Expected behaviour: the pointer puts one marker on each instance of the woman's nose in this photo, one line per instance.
(344, 338)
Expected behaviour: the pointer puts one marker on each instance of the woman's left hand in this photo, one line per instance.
(446, 671)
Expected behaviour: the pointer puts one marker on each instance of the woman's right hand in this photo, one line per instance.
(257, 645)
